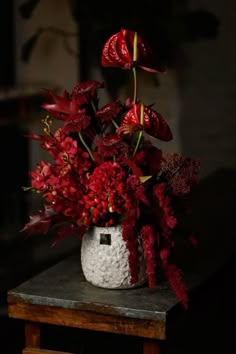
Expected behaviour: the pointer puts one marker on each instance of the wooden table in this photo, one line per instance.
(61, 296)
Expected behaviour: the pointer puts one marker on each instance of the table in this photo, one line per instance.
(61, 296)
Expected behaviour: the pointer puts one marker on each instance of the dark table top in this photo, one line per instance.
(63, 285)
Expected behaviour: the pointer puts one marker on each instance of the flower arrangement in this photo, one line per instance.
(105, 169)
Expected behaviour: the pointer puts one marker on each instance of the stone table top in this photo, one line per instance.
(63, 285)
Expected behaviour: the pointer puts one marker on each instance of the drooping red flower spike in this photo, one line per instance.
(122, 51)
(153, 123)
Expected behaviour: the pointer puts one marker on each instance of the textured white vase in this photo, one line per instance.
(104, 259)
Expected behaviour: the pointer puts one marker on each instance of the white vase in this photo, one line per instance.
(104, 259)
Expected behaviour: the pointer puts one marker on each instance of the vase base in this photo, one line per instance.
(117, 287)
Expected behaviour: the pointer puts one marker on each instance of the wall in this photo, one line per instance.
(50, 63)
(207, 86)
(197, 98)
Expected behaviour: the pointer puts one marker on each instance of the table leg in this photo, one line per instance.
(32, 335)
(151, 346)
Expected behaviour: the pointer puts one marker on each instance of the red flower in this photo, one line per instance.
(118, 51)
(153, 123)
(110, 146)
(109, 111)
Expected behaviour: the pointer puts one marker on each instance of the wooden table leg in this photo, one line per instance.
(32, 335)
(151, 346)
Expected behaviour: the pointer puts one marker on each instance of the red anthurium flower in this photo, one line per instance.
(118, 51)
(153, 123)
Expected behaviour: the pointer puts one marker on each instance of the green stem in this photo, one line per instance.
(135, 56)
(115, 124)
(135, 85)
(135, 47)
(141, 132)
(141, 114)
(86, 146)
(138, 142)
(93, 106)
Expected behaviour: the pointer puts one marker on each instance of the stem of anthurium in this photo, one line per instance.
(138, 142)
(93, 106)
(115, 124)
(135, 56)
(135, 47)
(135, 85)
(141, 132)
(86, 146)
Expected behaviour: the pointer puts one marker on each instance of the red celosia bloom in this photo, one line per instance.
(129, 234)
(105, 169)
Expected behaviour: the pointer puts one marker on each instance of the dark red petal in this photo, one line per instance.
(115, 53)
(109, 111)
(130, 122)
(76, 124)
(125, 51)
(109, 56)
(131, 117)
(153, 123)
(147, 60)
(89, 87)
